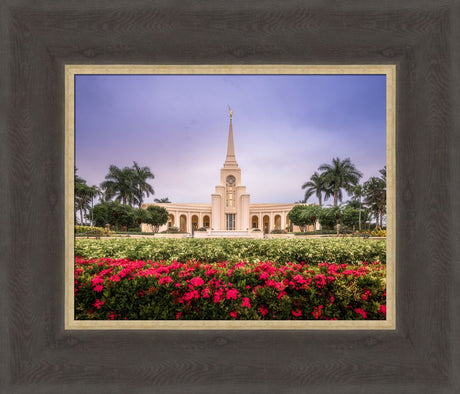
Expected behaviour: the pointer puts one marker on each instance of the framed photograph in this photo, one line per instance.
(45, 46)
(224, 280)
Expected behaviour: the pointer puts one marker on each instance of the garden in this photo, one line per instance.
(230, 279)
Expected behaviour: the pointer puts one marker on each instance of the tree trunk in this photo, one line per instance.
(335, 198)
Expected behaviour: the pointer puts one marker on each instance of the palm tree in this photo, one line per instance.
(141, 174)
(162, 200)
(375, 197)
(316, 185)
(84, 194)
(121, 183)
(341, 174)
(358, 194)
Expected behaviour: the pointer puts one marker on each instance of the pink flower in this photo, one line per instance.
(297, 313)
(98, 288)
(97, 280)
(232, 294)
(317, 311)
(383, 310)
(218, 296)
(205, 292)
(196, 281)
(246, 303)
(164, 280)
(233, 314)
(263, 310)
(98, 304)
(263, 275)
(178, 315)
(361, 312)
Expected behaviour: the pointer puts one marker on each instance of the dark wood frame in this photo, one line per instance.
(37, 38)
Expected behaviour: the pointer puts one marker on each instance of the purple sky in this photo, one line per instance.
(284, 128)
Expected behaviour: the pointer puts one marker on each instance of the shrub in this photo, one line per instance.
(146, 290)
(311, 251)
(90, 230)
(277, 231)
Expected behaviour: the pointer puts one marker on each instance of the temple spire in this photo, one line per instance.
(230, 161)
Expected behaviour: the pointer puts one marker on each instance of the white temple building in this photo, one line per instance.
(230, 210)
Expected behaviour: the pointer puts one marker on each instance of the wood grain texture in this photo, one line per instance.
(38, 38)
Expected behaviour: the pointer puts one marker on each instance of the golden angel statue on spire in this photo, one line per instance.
(231, 112)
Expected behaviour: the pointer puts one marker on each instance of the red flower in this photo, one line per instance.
(164, 280)
(361, 312)
(263, 310)
(98, 304)
(317, 311)
(383, 310)
(196, 281)
(297, 313)
(98, 288)
(233, 314)
(232, 294)
(246, 303)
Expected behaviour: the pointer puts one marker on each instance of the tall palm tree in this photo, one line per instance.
(341, 174)
(121, 184)
(375, 197)
(141, 174)
(316, 185)
(358, 194)
(84, 195)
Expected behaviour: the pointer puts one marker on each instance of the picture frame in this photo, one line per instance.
(74, 71)
(39, 355)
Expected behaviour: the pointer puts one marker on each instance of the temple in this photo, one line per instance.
(230, 211)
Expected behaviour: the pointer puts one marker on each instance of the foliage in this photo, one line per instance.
(141, 175)
(83, 196)
(375, 196)
(304, 215)
(156, 216)
(310, 251)
(341, 174)
(329, 217)
(128, 184)
(115, 214)
(86, 229)
(316, 185)
(148, 290)
(164, 200)
(350, 216)
(278, 231)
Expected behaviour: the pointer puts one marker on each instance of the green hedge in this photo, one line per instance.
(311, 251)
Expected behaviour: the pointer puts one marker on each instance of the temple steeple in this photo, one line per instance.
(230, 161)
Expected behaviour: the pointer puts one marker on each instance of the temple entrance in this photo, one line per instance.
(255, 222)
(230, 221)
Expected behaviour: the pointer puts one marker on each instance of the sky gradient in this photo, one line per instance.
(285, 127)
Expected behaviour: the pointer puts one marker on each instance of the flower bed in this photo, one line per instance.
(310, 251)
(111, 289)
